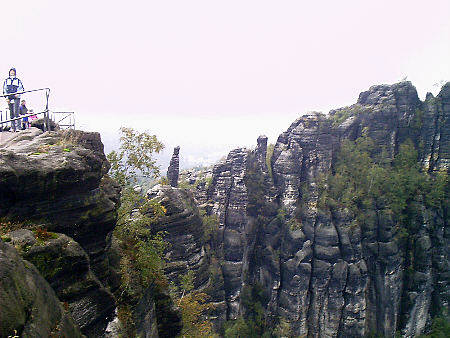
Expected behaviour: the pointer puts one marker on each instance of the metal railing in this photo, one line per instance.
(46, 112)
(47, 94)
(67, 117)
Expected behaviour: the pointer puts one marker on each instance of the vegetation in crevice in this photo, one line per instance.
(194, 308)
(440, 328)
(269, 155)
(363, 180)
(258, 191)
(253, 322)
(366, 179)
(210, 226)
(338, 116)
(141, 247)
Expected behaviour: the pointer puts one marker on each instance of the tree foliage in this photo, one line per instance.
(252, 323)
(269, 155)
(366, 178)
(141, 247)
(439, 329)
(194, 307)
(134, 157)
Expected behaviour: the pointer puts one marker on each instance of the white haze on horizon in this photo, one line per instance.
(211, 75)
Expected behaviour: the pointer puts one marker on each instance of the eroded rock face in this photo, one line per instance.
(185, 233)
(174, 168)
(325, 276)
(435, 130)
(65, 265)
(199, 180)
(28, 305)
(58, 179)
(229, 195)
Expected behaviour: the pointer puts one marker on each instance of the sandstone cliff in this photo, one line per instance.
(320, 272)
(261, 231)
(54, 185)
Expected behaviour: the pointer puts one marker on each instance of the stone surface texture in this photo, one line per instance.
(28, 305)
(55, 181)
(325, 276)
(58, 179)
(173, 170)
(66, 266)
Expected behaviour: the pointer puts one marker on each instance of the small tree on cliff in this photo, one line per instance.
(134, 157)
(194, 306)
(141, 248)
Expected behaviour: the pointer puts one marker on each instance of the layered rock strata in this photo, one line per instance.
(65, 265)
(56, 182)
(58, 179)
(28, 305)
(173, 170)
(185, 234)
(325, 276)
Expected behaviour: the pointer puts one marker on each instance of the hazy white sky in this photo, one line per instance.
(213, 75)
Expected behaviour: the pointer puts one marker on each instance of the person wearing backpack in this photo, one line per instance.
(13, 85)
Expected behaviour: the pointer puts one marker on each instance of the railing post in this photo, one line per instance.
(46, 121)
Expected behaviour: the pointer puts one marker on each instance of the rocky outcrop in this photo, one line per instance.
(28, 305)
(198, 180)
(324, 275)
(174, 168)
(434, 124)
(55, 182)
(264, 231)
(58, 179)
(65, 265)
(318, 279)
(229, 195)
(184, 233)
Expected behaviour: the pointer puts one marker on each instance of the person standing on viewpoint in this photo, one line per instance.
(13, 85)
(23, 110)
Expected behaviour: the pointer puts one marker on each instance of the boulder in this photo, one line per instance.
(28, 305)
(66, 266)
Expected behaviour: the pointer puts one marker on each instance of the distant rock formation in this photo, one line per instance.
(254, 222)
(174, 168)
(325, 276)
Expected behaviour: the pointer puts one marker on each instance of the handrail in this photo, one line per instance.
(26, 91)
(46, 112)
(68, 115)
(22, 116)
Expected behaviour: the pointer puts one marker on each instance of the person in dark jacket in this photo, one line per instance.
(13, 85)
(23, 110)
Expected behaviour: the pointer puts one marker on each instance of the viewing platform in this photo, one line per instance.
(45, 120)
